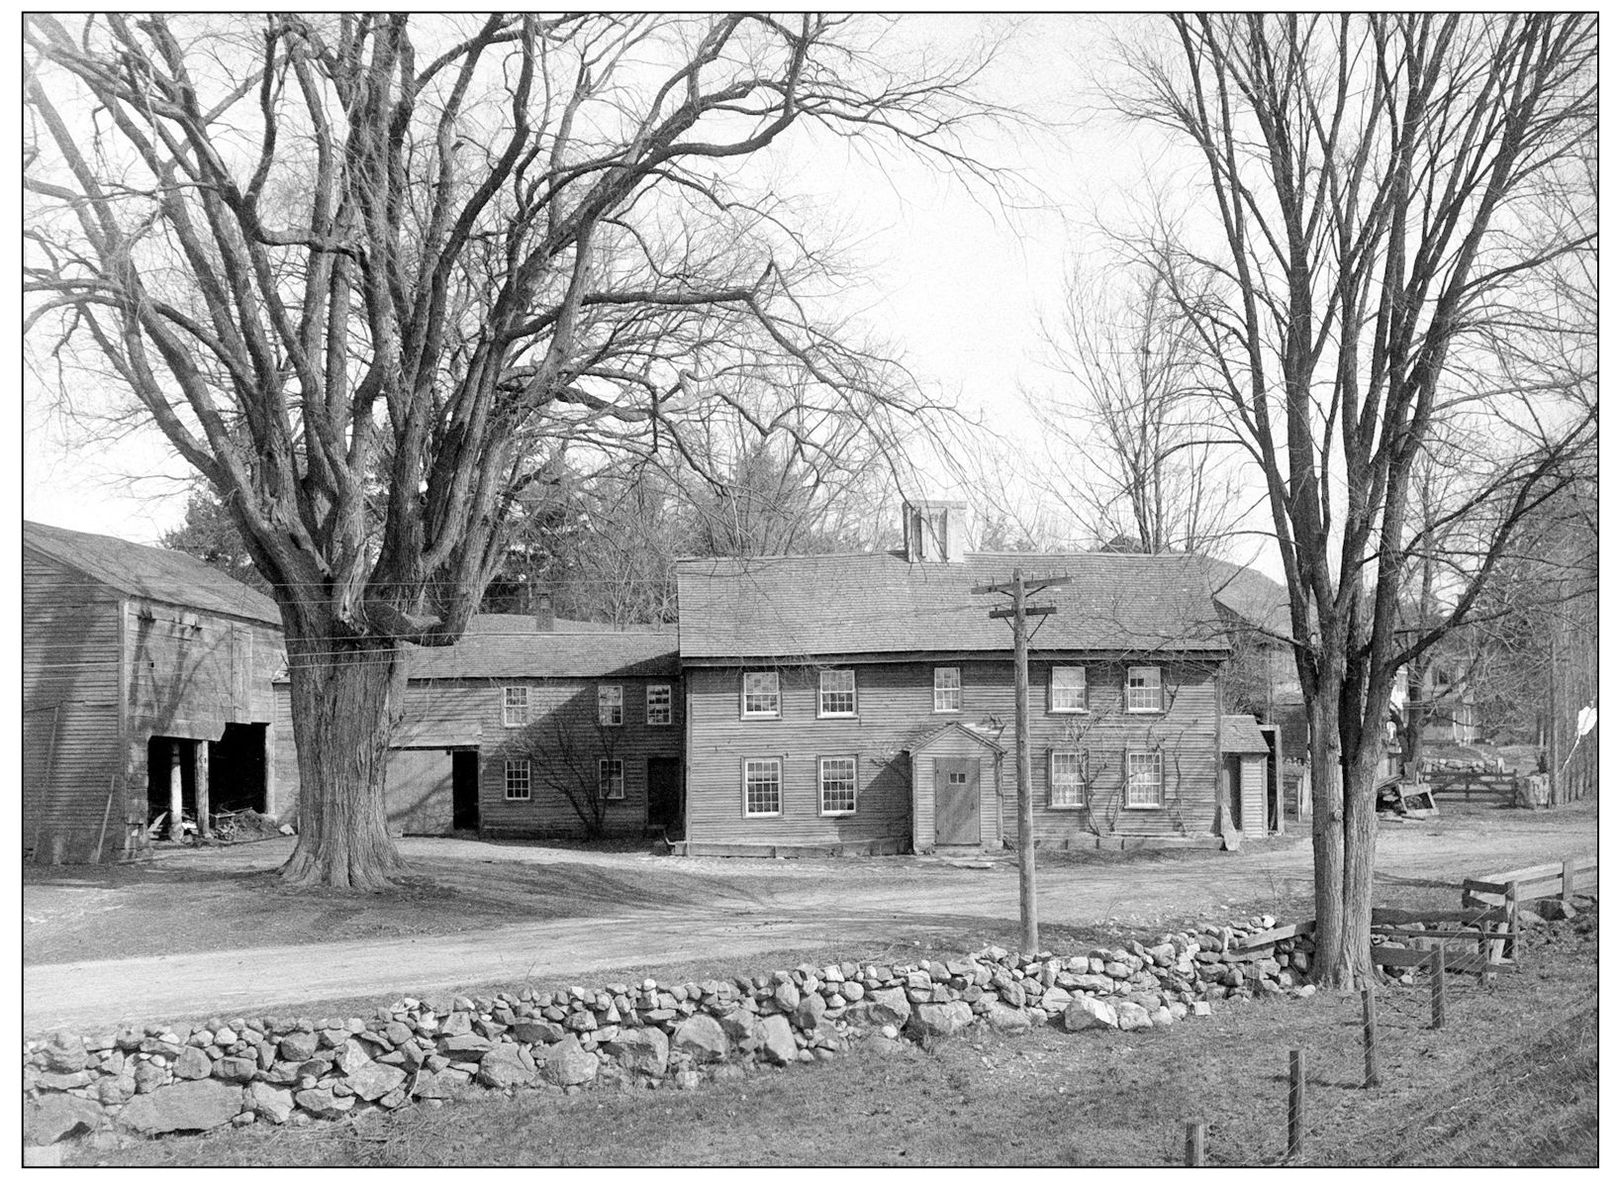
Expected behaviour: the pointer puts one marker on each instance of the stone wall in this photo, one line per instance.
(172, 1077)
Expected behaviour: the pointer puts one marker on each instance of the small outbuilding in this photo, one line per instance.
(146, 680)
(1246, 758)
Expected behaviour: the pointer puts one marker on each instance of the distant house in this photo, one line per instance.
(139, 665)
(865, 701)
(551, 729)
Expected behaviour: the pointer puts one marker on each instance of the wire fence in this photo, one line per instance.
(1522, 1088)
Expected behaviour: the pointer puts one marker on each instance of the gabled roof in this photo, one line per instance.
(921, 738)
(1254, 597)
(876, 603)
(1240, 734)
(547, 655)
(141, 571)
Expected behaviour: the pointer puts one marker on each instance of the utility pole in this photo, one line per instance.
(1020, 613)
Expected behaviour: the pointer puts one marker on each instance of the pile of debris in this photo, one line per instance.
(177, 1077)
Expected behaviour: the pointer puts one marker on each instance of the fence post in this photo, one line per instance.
(1370, 1044)
(1512, 898)
(1194, 1155)
(1438, 985)
(1567, 882)
(1297, 1099)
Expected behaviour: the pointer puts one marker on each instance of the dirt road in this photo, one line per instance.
(689, 911)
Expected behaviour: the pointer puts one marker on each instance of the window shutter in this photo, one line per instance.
(1049, 769)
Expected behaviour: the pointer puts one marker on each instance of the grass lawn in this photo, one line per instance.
(1511, 1080)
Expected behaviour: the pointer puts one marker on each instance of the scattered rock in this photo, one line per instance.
(1086, 1013)
(703, 1037)
(188, 1105)
(566, 1063)
(645, 1050)
(1132, 1016)
(779, 1046)
(943, 1019)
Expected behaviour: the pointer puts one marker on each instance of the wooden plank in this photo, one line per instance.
(1277, 934)
(1428, 916)
(1485, 886)
(1387, 955)
(1454, 935)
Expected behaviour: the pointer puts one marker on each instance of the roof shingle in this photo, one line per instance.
(548, 654)
(162, 575)
(875, 603)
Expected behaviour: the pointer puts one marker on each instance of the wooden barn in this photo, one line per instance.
(145, 674)
(864, 702)
(537, 728)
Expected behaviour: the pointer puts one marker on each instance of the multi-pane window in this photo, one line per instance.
(947, 689)
(1143, 690)
(514, 707)
(762, 786)
(838, 775)
(610, 704)
(1145, 782)
(1066, 778)
(761, 696)
(1067, 689)
(658, 704)
(518, 780)
(837, 693)
(611, 778)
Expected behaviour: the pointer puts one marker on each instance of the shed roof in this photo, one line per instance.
(1240, 734)
(548, 655)
(871, 603)
(141, 571)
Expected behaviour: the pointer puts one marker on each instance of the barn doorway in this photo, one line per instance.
(464, 789)
(163, 756)
(236, 769)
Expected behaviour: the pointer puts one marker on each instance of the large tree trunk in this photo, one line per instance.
(1327, 825)
(341, 693)
(1351, 966)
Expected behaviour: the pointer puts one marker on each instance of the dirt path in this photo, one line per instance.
(713, 909)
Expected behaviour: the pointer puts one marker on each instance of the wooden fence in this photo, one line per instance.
(1478, 938)
(1482, 785)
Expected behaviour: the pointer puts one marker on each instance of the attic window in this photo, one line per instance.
(1144, 691)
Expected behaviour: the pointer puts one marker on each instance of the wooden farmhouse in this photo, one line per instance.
(864, 702)
(143, 669)
(529, 728)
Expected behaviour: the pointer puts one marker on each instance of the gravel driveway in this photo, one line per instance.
(692, 910)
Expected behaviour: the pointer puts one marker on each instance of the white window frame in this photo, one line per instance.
(821, 785)
(775, 695)
(515, 706)
(517, 775)
(822, 693)
(1158, 690)
(776, 766)
(1143, 761)
(948, 691)
(611, 774)
(1078, 803)
(660, 712)
(1053, 689)
(610, 696)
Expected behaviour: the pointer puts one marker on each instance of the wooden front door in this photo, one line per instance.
(1235, 789)
(956, 800)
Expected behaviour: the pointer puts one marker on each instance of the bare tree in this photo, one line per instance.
(1366, 186)
(1132, 450)
(356, 268)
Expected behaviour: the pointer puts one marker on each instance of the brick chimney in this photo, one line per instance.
(545, 617)
(936, 530)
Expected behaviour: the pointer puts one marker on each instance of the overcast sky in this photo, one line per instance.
(957, 282)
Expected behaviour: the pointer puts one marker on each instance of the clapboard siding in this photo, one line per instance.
(563, 744)
(1252, 786)
(895, 701)
(70, 665)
